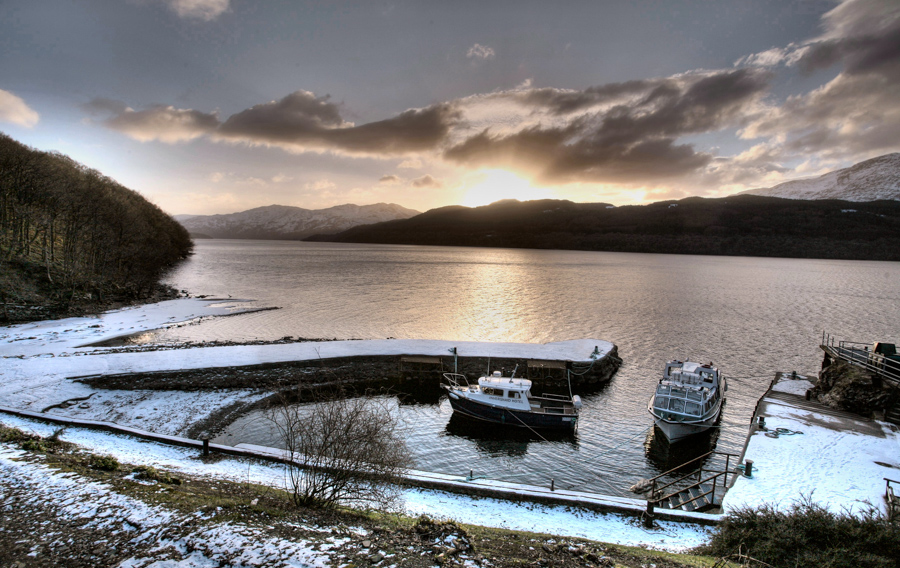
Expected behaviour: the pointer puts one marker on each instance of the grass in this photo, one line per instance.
(250, 504)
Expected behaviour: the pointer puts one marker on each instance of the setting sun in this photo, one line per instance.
(494, 185)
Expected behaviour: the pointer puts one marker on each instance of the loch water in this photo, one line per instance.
(751, 317)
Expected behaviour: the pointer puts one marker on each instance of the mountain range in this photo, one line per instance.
(739, 225)
(282, 222)
(870, 180)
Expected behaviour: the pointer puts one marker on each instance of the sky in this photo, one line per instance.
(219, 106)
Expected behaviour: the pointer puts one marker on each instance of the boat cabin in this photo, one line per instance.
(687, 391)
(503, 391)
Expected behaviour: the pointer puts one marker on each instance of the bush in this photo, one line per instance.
(104, 463)
(808, 535)
(33, 445)
(153, 474)
(342, 450)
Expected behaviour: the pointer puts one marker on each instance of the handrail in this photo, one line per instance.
(655, 491)
(884, 367)
(728, 457)
(699, 482)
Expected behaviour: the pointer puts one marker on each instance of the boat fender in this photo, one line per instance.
(453, 395)
(576, 402)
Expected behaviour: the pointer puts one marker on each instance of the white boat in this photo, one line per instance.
(508, 400)
(688, 399)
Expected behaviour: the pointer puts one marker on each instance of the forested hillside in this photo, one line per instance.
(742, 225)
(72, 238)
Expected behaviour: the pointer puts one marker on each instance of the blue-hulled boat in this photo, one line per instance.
(508, 400)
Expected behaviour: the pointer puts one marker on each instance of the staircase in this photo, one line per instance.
(892, 408)
(694, 498)
(700, 490)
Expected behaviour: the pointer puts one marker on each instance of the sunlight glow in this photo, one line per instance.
(494, 185)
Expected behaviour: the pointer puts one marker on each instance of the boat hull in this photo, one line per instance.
(511, 417)
(675, 431)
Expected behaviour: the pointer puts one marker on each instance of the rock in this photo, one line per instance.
(376, 558)
(366, 543)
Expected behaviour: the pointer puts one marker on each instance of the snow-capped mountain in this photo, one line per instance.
(871, 180)
(285, 222)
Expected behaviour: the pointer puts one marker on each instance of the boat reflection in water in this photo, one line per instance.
(666, 456)
(501, 440)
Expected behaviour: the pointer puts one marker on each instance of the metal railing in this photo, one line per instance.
(891, 498)
(859, 354)
(658, 492)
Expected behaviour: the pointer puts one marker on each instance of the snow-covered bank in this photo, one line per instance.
(837, 459)
(560, 520)
(39, 357)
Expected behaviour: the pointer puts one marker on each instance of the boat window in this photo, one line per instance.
(660, 402)
(663, 389)
(692, 408)
(676, 405)
(679, 392)
(513, 394)
(491, 391)
(693, 395)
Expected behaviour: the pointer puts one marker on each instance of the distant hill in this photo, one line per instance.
(282, 222)
(743, 225)
(871, 180)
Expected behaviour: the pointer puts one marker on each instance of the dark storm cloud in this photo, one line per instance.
(857, 114)
(865, 54)
(862, 35)
(306, 122)
(626, 142)
(294, 116)
(564, 102)
(158, 122)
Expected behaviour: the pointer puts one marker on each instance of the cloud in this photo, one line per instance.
(411, 164)
(303, 122)
(632, 140)
(206, 10)
(13, 109)
(862, 35)
(158, 122)
(426, 181)
(482, 52)
(856, 114)
(389, 180)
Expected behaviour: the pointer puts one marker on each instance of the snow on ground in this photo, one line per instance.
(101, 508)
(837, 461)
(559, 520)
(38, 357)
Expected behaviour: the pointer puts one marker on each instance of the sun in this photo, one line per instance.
(493, 185)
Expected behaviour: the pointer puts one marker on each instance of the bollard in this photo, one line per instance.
(794, 375)
(648, 518)
(748, 468)
(808, 394)
(762, 423)
(471, 475)
(552, 485)
(205, 446)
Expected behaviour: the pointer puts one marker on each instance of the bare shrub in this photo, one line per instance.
(342, 449)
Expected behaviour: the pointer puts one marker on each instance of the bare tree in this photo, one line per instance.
(343, 449)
